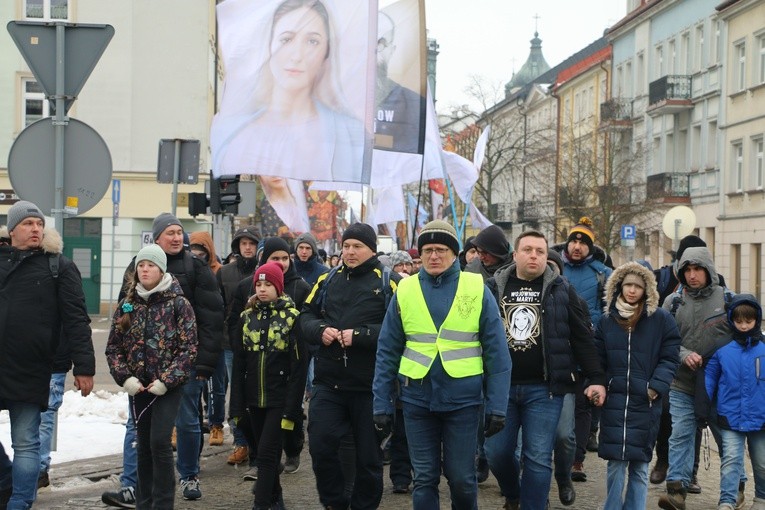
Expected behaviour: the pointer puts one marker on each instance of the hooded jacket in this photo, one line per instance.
(38, 313)
(311, 269)
(161, 342)
(294, 287)
(735, 375)
(438, 391)
(205, 240)
(635, 360)
(700, 316)
(566, 331)
(588, 277)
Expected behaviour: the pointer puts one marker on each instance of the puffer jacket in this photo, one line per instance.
(161, 342)
(566, 331)
(201, 289)
(736, 376)
(38, 314)
(588, 277)
(700, 316)
(635, 360)
(270, 364)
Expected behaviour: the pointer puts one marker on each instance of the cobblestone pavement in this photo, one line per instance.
(80, 484)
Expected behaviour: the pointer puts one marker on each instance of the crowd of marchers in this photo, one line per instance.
(451, 359)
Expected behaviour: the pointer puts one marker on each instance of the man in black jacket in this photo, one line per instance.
(548, 336)
(245, 246)
(41, 303)
(344, 321)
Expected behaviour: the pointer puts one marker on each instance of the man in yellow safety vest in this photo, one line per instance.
(444, 340)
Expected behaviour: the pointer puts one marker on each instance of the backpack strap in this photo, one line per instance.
(54, 260)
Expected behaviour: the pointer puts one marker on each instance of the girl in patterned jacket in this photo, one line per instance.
(268, 376)
(151, 350)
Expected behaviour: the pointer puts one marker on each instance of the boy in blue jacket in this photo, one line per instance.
(736, 376)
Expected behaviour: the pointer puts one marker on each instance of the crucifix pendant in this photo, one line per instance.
(345, 358)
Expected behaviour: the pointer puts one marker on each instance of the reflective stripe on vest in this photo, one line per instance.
(457, 341)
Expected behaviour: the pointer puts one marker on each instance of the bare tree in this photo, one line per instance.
(601, 177)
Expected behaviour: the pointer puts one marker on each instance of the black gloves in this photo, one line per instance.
(383, 426)
(493, 424)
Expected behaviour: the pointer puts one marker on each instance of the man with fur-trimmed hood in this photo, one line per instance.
(638, 343)
(42, 305)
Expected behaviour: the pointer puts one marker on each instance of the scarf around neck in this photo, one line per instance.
(164, 284)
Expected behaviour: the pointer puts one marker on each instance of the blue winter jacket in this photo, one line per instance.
(588, 278)
(438, 391)
(735, 374)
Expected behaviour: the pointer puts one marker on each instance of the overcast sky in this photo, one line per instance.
(490, 38)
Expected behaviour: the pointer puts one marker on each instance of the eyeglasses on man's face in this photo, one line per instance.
(429, 252)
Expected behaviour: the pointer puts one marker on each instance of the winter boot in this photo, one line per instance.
(674, 499)
(758, 504)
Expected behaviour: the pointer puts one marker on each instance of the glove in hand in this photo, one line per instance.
(493, 424)
(383, 426)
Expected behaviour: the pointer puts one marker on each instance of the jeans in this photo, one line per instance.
(565, 441)
(129, 477)
(25, 441)
(333, 414)
(533, 408)
(154, 416)
(400, 465)
(216, 406)
(48, 418)
(454, 432)
(188, 433)
(732, 463)
(583, 419)
(637, 485)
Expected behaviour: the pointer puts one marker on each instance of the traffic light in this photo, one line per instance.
(224, 194)
(197, 203)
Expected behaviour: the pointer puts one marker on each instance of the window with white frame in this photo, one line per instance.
(672, 57)
(640, 75)
(739, 66)
(684, 65)
(627, 80)
(714, 44)
(46, 9)
(758, 163)
(761, 59)
(711, 161)
(698, 55)
(738, 166)
(659, 69)
(33, 103)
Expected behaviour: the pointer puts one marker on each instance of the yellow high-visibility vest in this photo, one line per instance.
(457, 340)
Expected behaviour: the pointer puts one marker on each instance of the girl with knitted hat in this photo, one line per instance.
(268, 376)
(151, 350)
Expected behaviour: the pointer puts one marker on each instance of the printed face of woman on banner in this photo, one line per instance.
(289, 117)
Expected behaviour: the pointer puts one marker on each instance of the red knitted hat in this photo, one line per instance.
(271, 272)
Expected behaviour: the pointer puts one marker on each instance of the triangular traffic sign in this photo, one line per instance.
(83, 46)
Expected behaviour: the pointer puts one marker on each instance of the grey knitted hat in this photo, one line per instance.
(21, 210)
(161, 222)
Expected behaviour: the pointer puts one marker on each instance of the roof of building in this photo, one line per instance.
(534, 66)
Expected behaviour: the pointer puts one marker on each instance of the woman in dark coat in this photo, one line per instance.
(639, 344)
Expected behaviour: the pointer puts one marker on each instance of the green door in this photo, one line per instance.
(82, 244)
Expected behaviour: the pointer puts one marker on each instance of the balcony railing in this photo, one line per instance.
(673, 87)
(616, 109)
(668, 185)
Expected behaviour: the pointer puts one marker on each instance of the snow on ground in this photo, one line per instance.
(87, 427)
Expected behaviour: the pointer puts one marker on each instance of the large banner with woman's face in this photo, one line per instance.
(298, 98)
